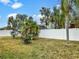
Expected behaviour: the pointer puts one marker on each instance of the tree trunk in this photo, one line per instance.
(67, 27)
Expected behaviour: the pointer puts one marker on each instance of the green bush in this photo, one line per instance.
(29, 30)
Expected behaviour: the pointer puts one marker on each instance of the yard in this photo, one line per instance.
(39, 49)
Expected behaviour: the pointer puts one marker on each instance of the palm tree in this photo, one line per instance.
(29, 30)
(26, 26)
(65, 4)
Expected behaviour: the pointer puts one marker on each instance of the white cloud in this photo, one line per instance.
(17, 5)
(13, 4)
(37, 18)
(58, 6)
(12, 14)
(51, 10)
(5, 1)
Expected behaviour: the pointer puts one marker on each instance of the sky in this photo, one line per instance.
(28, 7)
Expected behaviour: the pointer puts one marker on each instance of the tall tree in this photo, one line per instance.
(65, 4)
(46, 13)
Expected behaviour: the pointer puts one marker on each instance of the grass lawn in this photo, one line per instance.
(39, 49)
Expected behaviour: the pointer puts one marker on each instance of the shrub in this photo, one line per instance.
(29, 30)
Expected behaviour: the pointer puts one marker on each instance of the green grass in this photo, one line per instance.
(39, 49)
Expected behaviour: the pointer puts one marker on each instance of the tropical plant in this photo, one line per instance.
(65, 4)
(67, 8)
(25, 26)
(29, 30)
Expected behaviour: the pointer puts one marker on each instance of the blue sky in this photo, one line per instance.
(28, 7)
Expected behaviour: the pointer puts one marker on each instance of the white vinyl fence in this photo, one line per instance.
(51, 34)
(5, 33)
(59, 34)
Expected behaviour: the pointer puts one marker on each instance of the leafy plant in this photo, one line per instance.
(25, 26)
(29, 30)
